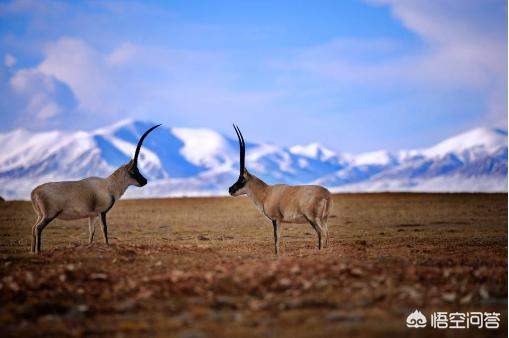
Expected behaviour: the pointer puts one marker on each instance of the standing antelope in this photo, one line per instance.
(283, 203)
(90, 197)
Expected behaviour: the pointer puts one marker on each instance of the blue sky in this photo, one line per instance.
(353, 75)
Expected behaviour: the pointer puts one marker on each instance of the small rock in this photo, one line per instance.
(184, 318)
(237, 316)
(203, 238)
(411, 292)
(82, 308)
(255, 304)
(125, 305)
(322, 283)
(343, 316)
(225, 301)
(483, 292)
(356, 272)
(449, 297)
(466, 299)
(101, 276)
(192, 334)
(285, 282)
(29, 277)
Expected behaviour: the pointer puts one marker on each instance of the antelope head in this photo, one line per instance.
(135, 177)
(239, 187)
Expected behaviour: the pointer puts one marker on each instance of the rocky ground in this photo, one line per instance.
(204, 267)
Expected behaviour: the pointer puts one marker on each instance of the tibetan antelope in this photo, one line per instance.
(90, 197)
(283, 203)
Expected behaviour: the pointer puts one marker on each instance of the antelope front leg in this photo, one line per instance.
(34, 232)
(91, 229)
(38, 232)
(277, 233)
(105, 227)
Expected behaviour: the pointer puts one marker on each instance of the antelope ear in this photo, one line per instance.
(245, 173)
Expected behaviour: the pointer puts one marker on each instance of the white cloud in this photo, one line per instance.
(468, 46)
(460, 49)
(139, 81)
(74, 63)
(38, 91)
(9, 60)
(123, 54)
(462, 40)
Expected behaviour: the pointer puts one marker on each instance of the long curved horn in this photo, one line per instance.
(242, 146)
(138, 147)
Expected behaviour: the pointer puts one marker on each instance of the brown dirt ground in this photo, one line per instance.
(204, 267)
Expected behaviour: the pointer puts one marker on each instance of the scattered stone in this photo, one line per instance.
(343, 316)
(82, 308)
(356, 272)
(203, 238)
(483, 292)
(225, 301)
(192, 334)
(125, 305)
(255, 304)
(411, 292)
(285, 282)
(29, 277)
(449, 297)
(466, 299)
(99, 276)
(184, 318)
(70, 267)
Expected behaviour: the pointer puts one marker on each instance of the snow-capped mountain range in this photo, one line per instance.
(185, 161)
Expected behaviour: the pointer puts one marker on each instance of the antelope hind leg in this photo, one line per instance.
(91, 229)
(34, 230)
(277, 234)
(105, 227)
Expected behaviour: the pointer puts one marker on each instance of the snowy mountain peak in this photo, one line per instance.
(313, 150)
(381, 157)
(479, 139)
(204, 147)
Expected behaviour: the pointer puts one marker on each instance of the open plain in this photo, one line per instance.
(205, 267)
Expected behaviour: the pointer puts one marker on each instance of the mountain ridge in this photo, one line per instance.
(201, 161)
